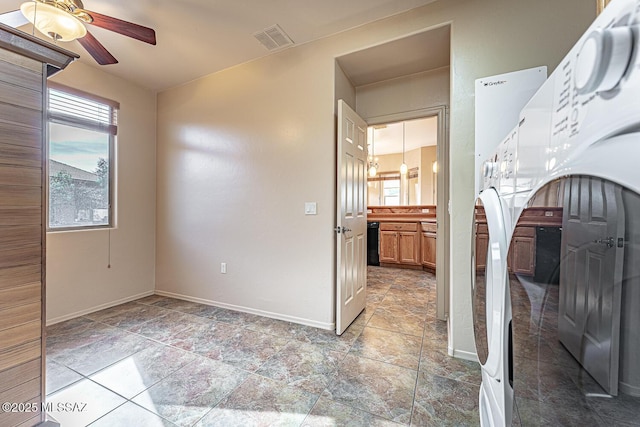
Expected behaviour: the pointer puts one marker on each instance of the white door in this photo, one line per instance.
(351, 221)
(593, 228)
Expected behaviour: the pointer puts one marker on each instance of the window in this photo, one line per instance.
(82, 130)
(384, 189)
(391, 192)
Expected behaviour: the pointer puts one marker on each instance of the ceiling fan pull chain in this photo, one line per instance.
(35, 17)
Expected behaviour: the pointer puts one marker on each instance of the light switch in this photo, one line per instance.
(310, 208)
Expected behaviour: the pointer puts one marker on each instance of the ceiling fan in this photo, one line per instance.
(64, 20)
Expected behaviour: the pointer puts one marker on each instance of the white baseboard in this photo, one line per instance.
(630, 389)
(460, 354)
(293, 319)
(97, 308)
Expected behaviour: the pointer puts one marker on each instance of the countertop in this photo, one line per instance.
(414, 213)
(400, 218)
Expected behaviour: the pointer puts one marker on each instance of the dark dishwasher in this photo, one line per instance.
(547, 267)
(372, 243)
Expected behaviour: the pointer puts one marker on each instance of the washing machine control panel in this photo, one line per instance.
(489, 173)
(489, 168)
(499, 171)
(602, 60)
(506, 158)
(597, 84)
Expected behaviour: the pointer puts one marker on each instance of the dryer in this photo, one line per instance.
(561, 350)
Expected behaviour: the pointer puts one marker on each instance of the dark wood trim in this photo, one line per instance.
(32, 47)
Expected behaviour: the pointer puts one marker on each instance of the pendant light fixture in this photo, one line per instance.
(373, 164)
(403, 167)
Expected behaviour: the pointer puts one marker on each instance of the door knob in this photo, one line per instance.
(341, 229)
(609, 242)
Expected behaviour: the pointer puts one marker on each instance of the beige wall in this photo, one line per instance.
(78, 280)
(344, 88)
(239, 154)
(390, 162)
(408, 93)
(240, 151)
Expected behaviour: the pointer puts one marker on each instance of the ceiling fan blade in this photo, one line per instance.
(125, 28)
(13, 19)
(97, 50)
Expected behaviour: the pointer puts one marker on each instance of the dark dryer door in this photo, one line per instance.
(576, 342)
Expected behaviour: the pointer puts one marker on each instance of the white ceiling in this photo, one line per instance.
(387, 139)
(199, 37)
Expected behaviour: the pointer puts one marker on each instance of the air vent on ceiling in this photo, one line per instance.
(273, 38)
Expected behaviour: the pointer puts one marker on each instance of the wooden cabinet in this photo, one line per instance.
(400, 243)
(522, 252)
(25, 62)
(409, 245)
(428, 245)
(521, 258)
(388, 246)
(482, 245)
(402, 239)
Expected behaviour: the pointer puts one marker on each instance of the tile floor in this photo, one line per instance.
(159, 361)
(552, 387)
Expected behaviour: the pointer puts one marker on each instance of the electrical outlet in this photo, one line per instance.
(223, 267)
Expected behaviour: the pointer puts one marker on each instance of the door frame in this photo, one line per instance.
(443, 219)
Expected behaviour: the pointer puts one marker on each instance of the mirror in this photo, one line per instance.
(574, 280)
(390, 145)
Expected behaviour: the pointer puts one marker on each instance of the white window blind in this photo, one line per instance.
(68, 108)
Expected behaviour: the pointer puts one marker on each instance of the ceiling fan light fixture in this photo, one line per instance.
(53, 22)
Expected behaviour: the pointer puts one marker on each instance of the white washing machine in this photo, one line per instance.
(556, 270)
